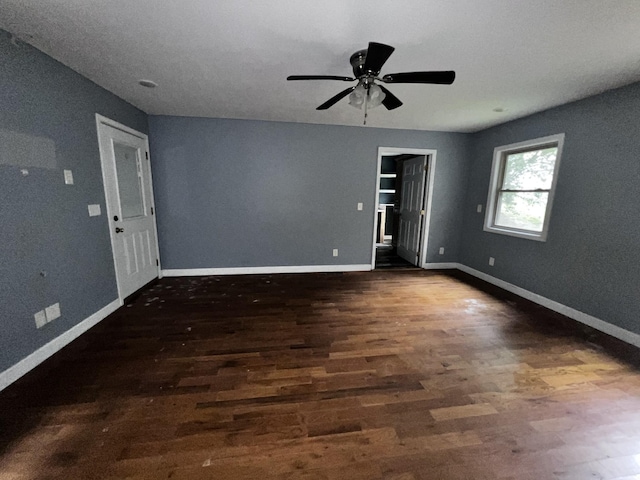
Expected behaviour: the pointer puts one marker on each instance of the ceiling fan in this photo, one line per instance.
(366, 70)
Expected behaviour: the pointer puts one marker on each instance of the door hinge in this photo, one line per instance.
(151, 210)
(157, 263)
(146, 154)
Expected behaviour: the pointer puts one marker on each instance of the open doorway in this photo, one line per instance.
(403, 195)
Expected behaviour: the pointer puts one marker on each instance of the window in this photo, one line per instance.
(523, 180)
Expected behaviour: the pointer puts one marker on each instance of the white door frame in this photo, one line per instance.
(430, 155)
(102, 120)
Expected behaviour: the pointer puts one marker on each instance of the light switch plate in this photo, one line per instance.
(335, 252)
(68, 177)
(360, 206)
(41, 319)
(441, 250)
(492, 261)
(52, 312)
(94, 210)
(479, 208)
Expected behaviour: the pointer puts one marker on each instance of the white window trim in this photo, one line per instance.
(499, 154)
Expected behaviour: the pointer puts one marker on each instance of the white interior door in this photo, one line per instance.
(411, 204)
(126, 173)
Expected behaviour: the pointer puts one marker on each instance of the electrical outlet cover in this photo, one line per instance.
(68, 177)
(41, 319)
(52, 312)
(94, 210)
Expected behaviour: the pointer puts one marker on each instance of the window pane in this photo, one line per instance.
(530, 170)
(129, 187)
(523, 210)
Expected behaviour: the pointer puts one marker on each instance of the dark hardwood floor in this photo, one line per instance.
(397, 374)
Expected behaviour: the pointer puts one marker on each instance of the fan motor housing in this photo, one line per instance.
(357, 62)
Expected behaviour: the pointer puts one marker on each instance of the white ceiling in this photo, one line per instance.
(230, 58)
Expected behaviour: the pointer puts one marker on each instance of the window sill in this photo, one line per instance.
(537, 236)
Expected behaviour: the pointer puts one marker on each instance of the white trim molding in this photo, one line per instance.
(440, 266)
(112, 123)
(195, 272)
(605, 327)
(27, 364)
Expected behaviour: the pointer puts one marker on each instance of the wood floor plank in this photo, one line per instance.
(384, 375)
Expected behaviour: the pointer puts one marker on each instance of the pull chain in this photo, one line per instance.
(366, 96)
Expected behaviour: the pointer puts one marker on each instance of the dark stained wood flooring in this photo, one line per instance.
(396, 375)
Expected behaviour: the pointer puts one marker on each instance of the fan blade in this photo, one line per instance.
(320, 77)
(377, 54)
(333, 100)
(442, 78)
(390, 100)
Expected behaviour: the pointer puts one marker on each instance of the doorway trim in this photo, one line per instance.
(104, 121)
(430, 155)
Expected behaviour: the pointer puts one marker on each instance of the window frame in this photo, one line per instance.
(500, 155)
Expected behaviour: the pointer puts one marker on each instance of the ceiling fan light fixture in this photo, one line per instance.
(356, 98)
(376, 96)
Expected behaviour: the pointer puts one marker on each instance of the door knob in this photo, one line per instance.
(119, 230)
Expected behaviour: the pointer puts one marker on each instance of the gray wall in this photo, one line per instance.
(238, 193)
(590, 260)
(47, 124)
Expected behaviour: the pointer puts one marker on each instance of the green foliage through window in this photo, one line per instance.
(526, 182)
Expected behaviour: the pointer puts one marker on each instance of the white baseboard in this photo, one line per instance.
(608, 328)
(440, 266)
(36, 358)
(194, 272)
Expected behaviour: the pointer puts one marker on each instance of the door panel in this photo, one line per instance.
(411, 200)
(129, 196)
